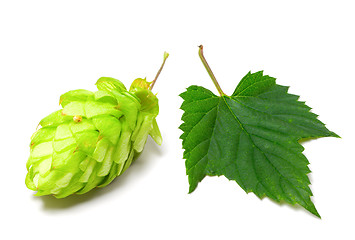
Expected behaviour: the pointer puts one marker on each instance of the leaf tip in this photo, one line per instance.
(315, 213)
(312, 209)
(333, 134)
(192, 187)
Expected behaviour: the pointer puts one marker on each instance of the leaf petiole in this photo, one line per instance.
(209, 70)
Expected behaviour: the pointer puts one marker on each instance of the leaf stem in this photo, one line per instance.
(209, 70)
(166, 55)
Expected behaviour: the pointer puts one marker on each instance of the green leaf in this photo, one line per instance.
(251, 137)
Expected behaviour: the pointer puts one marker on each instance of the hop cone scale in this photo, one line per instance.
(92, 139)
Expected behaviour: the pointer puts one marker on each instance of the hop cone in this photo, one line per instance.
(92, 139)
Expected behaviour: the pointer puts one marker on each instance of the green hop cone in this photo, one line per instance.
(94, 137)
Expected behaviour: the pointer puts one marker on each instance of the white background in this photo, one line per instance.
(50, 47)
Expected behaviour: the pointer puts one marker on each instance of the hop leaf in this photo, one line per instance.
(92, 139)
(251, 137)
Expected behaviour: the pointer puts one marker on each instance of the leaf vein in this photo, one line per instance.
(197, 101)
(199, 121)
(251, 86)
(266, 113)
(253, 162)
(206, 139)
(242, 127)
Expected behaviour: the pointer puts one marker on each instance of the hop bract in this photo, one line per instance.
(92, 139)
